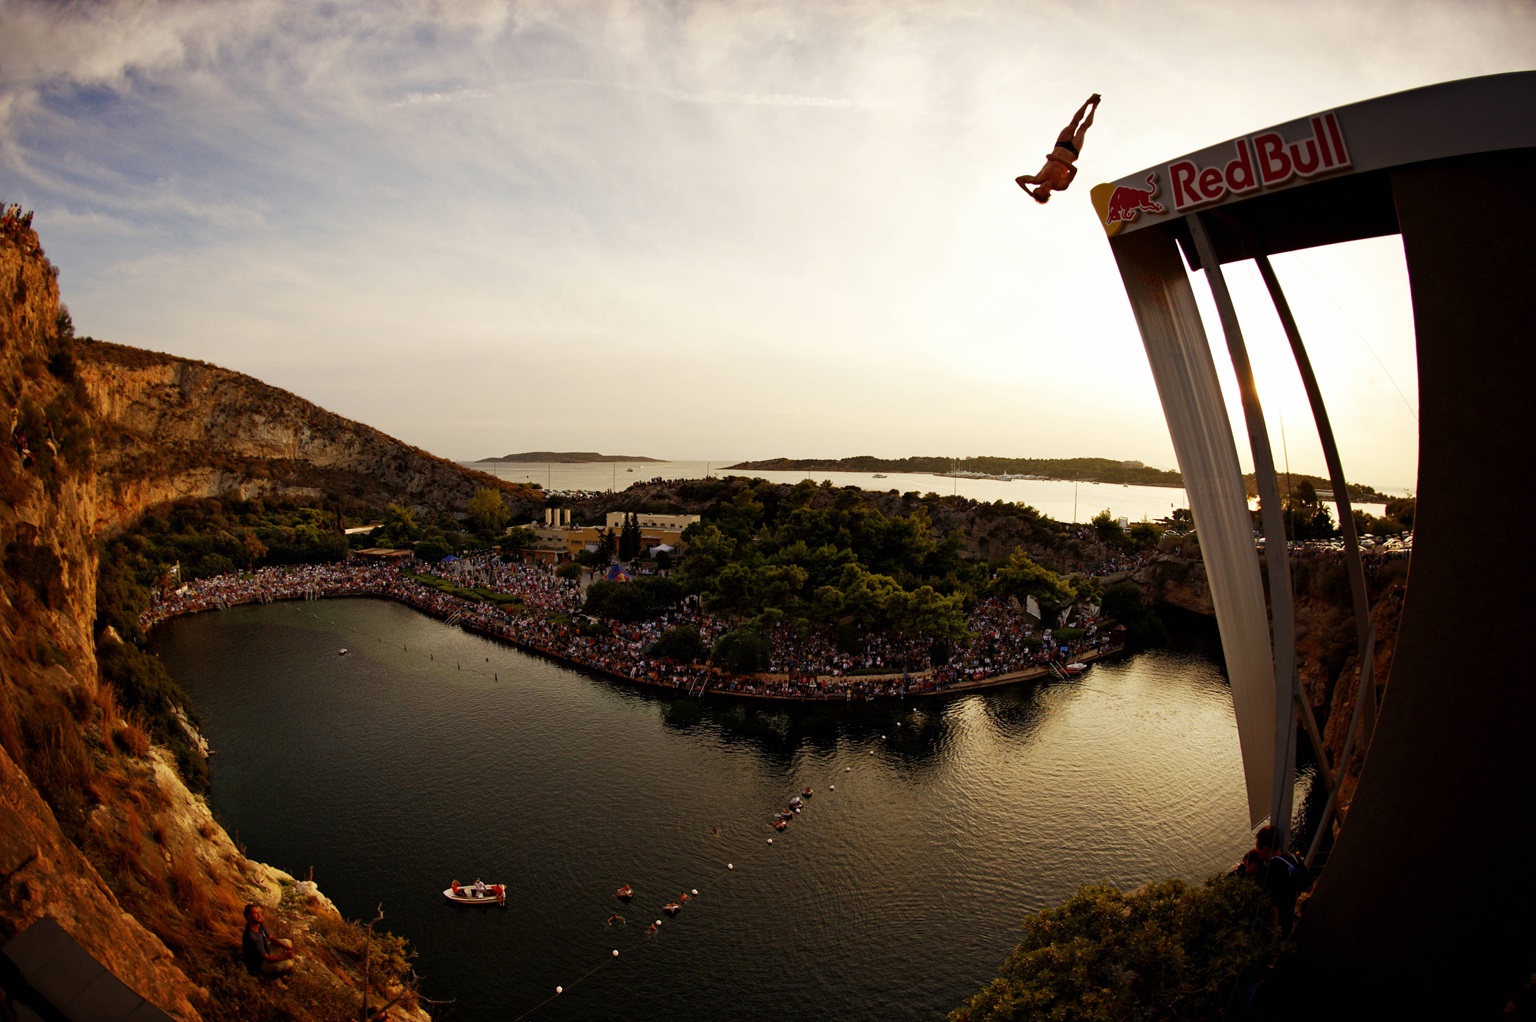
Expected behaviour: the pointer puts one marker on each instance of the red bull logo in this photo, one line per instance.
(1126, 203)
(1258, 162)
(1265, 160)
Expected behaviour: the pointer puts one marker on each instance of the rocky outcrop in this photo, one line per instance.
(1177, 579)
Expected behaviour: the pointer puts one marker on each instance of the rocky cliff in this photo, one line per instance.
(97, 829)
(169, 428)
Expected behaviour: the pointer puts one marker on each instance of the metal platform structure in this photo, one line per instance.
(1427, 892)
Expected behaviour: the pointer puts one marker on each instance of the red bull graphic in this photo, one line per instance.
(1126, 203)
(1266, 160)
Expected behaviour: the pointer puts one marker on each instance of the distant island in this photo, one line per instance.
(1100, 470)
(1088, 470)
(566, 457)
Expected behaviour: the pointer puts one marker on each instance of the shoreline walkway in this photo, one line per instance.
(309, 582)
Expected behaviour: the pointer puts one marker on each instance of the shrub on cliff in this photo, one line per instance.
(1167, 950)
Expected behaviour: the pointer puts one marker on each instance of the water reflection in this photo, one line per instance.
(431, 753)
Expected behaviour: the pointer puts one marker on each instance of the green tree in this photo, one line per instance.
(742, 650)
(400, 528)
(682, 644)
(1108, 529)
(252, 547)
(432, 549)
(488, 512)
(1021, 578)
(937, 616)
(629, 538)
(1165, 951)
(519, 536)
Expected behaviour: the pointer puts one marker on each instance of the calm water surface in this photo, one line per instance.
(430, 754)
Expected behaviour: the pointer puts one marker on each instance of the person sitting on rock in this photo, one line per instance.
(264, 954)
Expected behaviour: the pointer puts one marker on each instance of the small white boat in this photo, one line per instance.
(1073, 670)
(477, 894)
(343, 651)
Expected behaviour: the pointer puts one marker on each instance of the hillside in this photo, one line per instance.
(168, 428)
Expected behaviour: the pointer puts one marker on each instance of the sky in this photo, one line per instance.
(701, 230)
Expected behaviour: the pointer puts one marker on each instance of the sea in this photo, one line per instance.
(1064, 500)
(428, 754)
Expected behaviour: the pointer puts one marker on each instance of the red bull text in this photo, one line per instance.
(1266, 160)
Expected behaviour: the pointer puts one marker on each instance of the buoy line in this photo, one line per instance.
(747, 857)
(748, 854)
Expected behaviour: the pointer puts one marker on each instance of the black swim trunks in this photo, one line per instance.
(1066, 143)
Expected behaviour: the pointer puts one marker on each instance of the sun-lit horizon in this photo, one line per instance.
(700, 229)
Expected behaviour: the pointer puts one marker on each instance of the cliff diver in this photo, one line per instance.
(1061, 163)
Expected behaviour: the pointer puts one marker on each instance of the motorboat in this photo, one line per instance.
(795, 802)
(476, 893)
(624, 893)
(780, 824)
(671, 908)
(1073, 670)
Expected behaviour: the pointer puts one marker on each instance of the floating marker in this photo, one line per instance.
(729, 866)
(615, 954)
(658, 922)
(847, 770)
(831, 787)
(559, 990)
(695, 890)
(882, 738)
(770, 841)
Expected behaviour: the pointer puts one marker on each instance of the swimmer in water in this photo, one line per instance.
(617, 918)
(1061, 163)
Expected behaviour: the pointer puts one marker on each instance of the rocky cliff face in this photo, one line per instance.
(96, 828)
(173, 428)
(47, 653)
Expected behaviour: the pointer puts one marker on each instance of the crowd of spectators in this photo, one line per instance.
(547, 617)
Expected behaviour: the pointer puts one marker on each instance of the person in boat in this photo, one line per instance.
(1061, 163)
(479, 888)
(806, 792)
(455, 887)
(625, 893)
(501, 894)
(264, 954)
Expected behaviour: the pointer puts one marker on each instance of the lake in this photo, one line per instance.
(430, 754)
